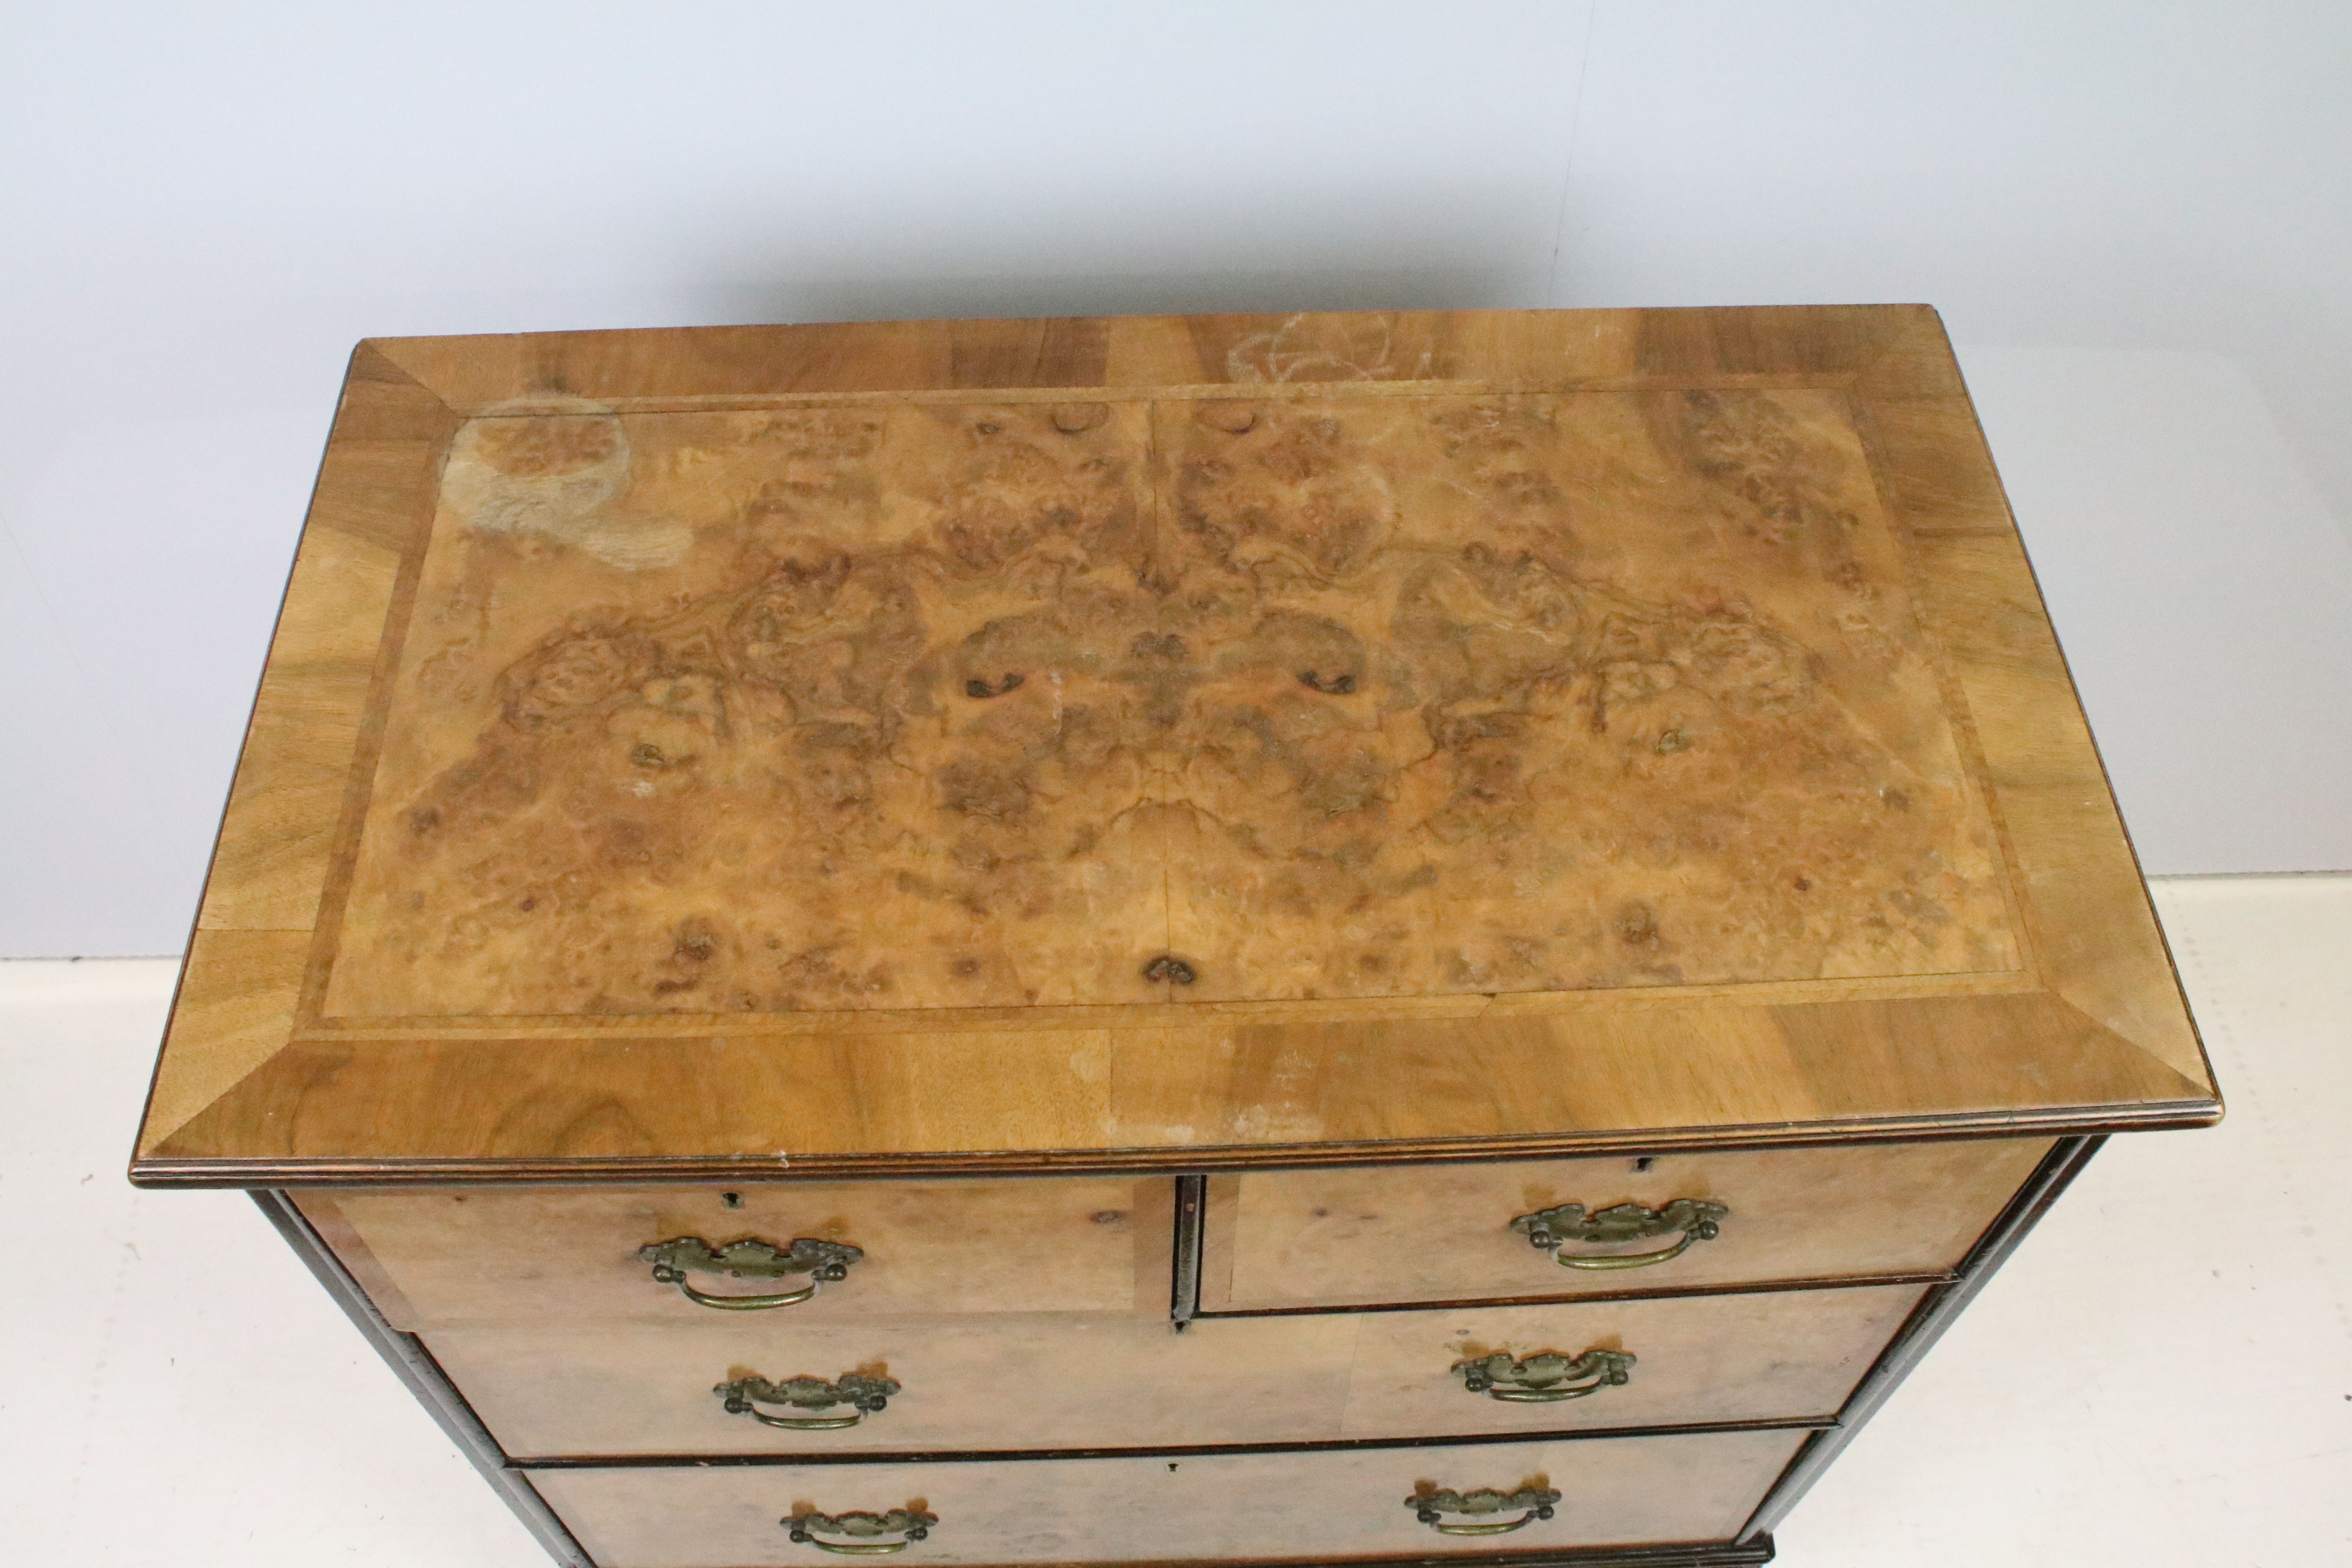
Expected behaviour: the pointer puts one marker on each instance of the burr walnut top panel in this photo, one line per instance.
(983, 705)
(960, 745)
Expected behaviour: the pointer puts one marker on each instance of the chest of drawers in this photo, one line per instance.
(1329, 938)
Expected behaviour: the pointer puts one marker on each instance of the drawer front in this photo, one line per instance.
(1778, 1356)
(1443, 1233)
(547, 1255)
(1095, 1382)
(1618, 1491)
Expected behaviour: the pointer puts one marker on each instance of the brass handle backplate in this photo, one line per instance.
(749, 1259)
(1544, 1378)
(865, 1396)
(1696, 1219)
(1431, 1509)
(863, 1530)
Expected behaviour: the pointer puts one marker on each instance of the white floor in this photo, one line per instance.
(2162, 1377)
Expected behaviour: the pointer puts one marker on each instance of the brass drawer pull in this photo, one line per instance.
(749, 1259)
(1430, 1508)
(1697, 1219)
(865, 1396)
(1544, 1378)
(912, 1525)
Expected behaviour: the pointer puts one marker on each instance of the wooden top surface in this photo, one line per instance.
(1045, 744)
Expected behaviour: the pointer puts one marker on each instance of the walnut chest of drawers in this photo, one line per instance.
(1332, 938)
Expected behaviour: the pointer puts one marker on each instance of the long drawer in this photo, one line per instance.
(478, 1256)
(1613, 1492)
(1095, 1382)
(1367, 1234)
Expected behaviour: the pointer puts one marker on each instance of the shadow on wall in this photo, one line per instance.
(1466, 244)
(1308, 287)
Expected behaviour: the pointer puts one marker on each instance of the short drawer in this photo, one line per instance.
(1367, 1234)
(1091, 1382)
(547, 1255)
(1613, 1492)
(1775, 1355)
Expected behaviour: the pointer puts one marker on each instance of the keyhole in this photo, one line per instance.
(730, 1199)
(1167, 966)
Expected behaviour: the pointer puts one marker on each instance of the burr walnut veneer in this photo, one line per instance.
(1328, 937)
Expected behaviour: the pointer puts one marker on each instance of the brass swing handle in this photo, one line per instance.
(911, 1524)
(1697, 1219)
(865, 1396)
(1431, 1509)
(1544, 1378)
(749, 1259)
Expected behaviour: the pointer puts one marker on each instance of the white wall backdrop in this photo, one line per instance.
(2137, 218)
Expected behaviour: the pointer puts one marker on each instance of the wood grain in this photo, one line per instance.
(276, 842)
(238, 989)
(1080, 1380)
(685, 723)
(1536, 694)
(918, 708)
(1619, 1490)
(771, 1109)
(273, 863)
(1689, 693)
(1035, 1380)
(2073, 858)
(546, 1256)
(1768, 1356)
(1331, 1237)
